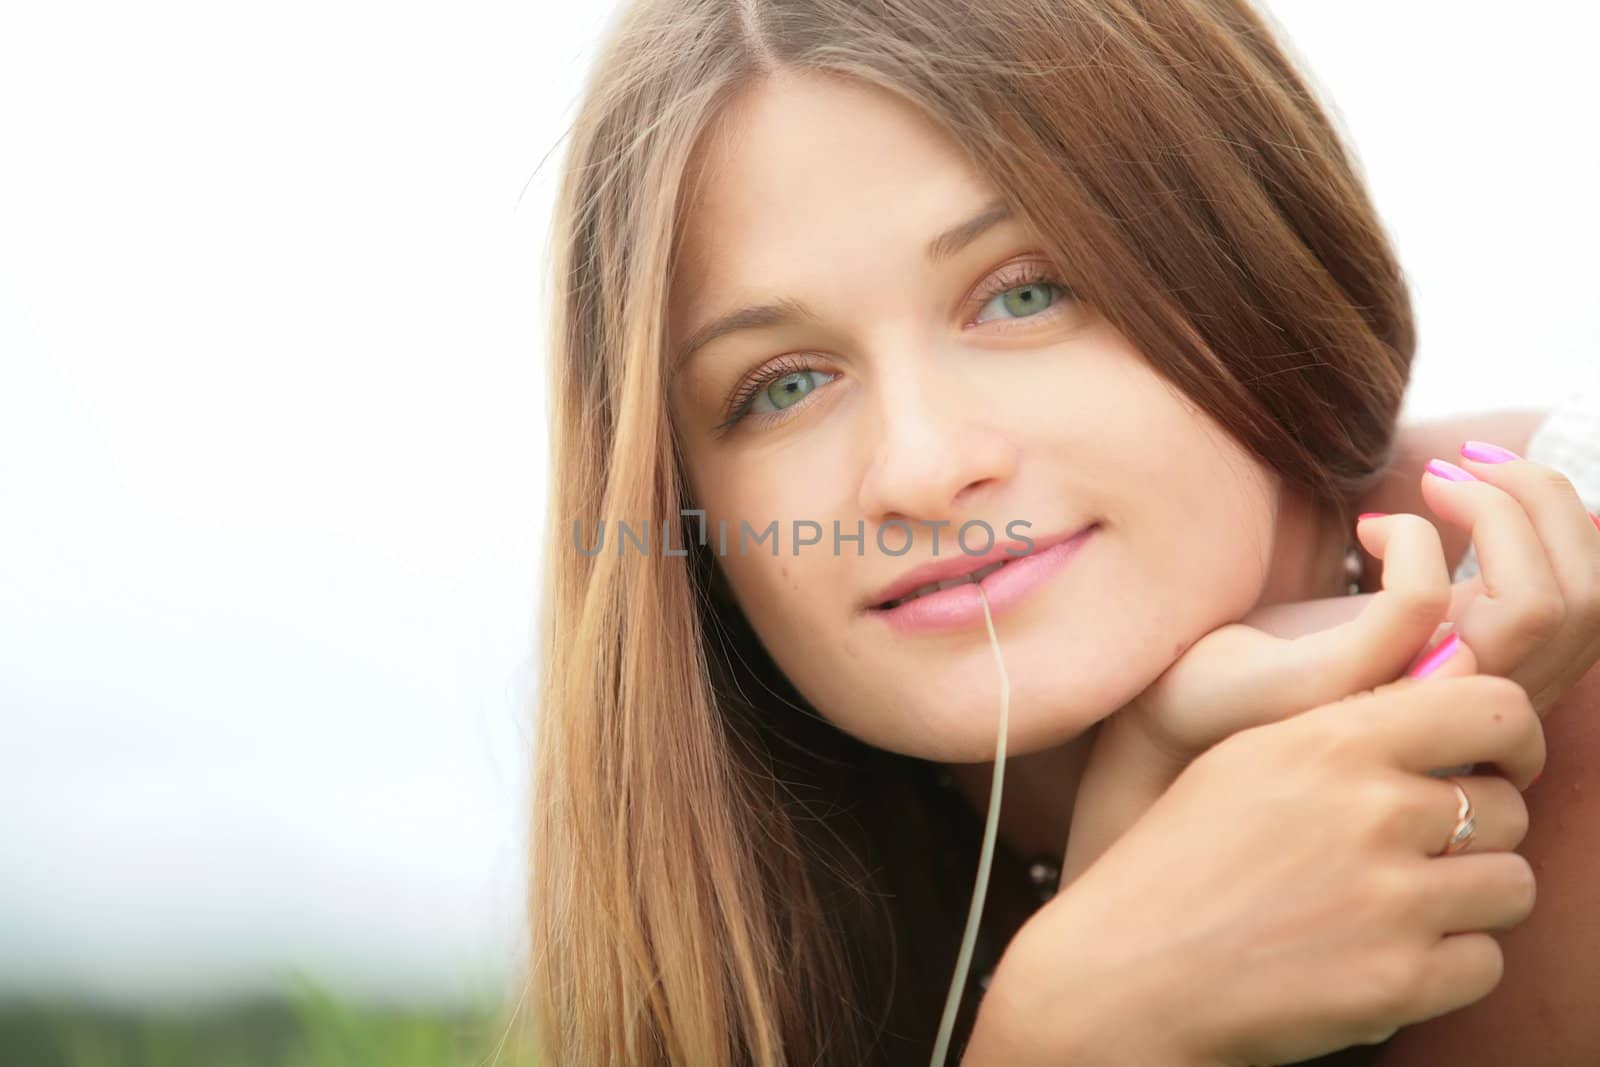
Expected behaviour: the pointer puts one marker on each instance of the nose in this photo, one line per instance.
(938, 450)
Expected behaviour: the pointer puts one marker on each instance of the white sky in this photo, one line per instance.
(272, 443)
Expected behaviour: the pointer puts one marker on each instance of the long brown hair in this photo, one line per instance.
(717, 875)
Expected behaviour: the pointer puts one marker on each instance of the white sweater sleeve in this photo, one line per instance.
(1568, 440)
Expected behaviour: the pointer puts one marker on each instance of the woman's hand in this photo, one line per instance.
(1286, 897)
(1244, 675)
(1284, 658)
(1532, 614)
(1415, 443)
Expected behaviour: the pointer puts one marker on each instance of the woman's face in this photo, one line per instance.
(918, 388)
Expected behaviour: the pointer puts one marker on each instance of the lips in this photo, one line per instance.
(966, 603)
(962, 569)
(971, 578)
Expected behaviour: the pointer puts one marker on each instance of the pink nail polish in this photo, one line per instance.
(1484, 452)
(1449, 471)
(1365, 515)
(1432, 660)
(1596, 519)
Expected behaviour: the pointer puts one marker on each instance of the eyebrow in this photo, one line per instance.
(788, 311)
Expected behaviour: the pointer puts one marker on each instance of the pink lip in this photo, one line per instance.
(961, 606)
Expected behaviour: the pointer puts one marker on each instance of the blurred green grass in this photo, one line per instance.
(307, 1027)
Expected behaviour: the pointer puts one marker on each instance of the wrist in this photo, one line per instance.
(1125, 774)
(1057, 997)
(1135, 746)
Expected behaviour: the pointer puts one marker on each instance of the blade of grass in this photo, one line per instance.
(952, 1002)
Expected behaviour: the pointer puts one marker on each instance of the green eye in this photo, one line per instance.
(1029, 299)
(788, 390)
(769, 394)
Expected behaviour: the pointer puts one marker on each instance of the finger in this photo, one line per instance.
(1462, 594)
(1248, 678)
(1238, 676)
(1270, 679)
(1461, 969)
(1451, 720)
(1448, 657)
(1563, 525)
(1428, 816)
(1300, 619)
(1470, 891)
(1230, 680)
(1399, 620)
(1570, 536)
(1522, 606)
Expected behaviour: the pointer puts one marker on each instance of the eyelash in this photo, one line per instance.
(739, 401)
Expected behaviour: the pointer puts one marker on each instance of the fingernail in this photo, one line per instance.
(1595, 519)
(1484, 452)
(1448, 471)
(1365, 515)
(1535, 778)
(1432, 660)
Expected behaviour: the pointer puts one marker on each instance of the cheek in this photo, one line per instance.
(787, 598)
(1220, 551)
(750, 506)
(1218, 507)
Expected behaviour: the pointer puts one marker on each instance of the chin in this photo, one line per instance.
(1030, 728)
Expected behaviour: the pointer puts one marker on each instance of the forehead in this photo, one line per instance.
(804, 170)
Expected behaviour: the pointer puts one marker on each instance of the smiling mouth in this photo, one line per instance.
(949, 583)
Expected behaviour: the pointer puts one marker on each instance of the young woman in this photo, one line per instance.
(836, 279)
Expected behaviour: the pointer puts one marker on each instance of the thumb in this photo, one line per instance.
(1447, 656)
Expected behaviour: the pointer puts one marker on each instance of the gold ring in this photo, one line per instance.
(1466, 823)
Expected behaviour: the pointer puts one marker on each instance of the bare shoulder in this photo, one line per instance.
(1543, 1012)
